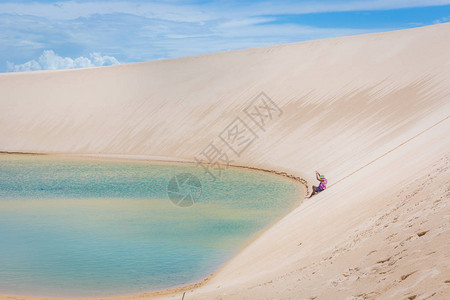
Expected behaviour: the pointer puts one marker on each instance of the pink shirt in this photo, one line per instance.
(323, 184)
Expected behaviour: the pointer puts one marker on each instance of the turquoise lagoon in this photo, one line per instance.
(72, 227)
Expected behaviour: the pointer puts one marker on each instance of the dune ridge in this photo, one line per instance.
(369, 111)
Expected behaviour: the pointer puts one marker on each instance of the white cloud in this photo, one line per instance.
(308, 7)
(195, 13)
(245, 22)
(69, 10)
(31, 65)
(442, 20)
(49, 60)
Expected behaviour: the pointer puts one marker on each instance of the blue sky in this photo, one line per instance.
(47, 34)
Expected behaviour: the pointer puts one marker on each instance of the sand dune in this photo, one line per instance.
(370, 111)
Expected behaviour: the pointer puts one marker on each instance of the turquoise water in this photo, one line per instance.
(85, 227)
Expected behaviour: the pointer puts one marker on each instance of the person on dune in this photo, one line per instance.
(322, 185)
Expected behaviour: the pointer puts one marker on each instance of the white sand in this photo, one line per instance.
(377, 104)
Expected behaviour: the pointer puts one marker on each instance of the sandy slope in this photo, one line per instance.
(376, 104)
